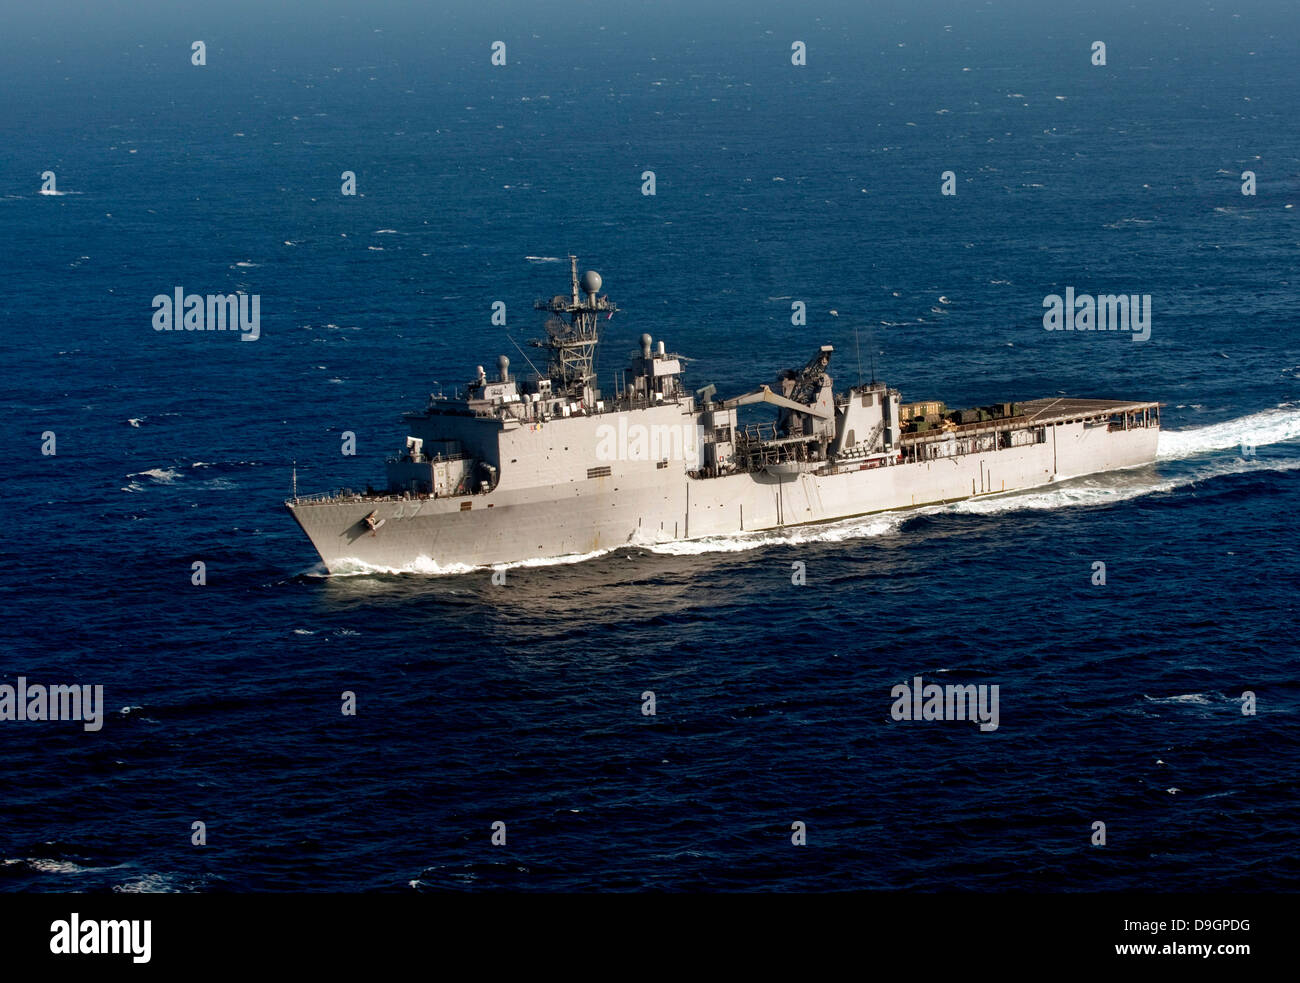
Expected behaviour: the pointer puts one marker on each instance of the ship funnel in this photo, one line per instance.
(503, 364)
(645, 346)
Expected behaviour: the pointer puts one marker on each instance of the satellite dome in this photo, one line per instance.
(591, 282)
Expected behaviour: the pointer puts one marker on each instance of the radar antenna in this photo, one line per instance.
(572, 344)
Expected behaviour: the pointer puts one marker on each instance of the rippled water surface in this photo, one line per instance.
(522, 703)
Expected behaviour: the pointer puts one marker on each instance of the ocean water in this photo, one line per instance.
(521, 703)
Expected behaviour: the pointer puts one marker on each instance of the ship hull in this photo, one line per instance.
(644, 502)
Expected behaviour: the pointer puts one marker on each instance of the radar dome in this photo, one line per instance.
(591, 282)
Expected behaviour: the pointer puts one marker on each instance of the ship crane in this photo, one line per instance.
(802, 386)
(764, 394)
(800, 389)
(806, 419)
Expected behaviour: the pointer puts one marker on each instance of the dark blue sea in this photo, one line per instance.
(522, 704)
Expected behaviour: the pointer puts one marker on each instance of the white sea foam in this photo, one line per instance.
(1078, 492)
(54, 866)
(1268, 427)
(163, 476)
(425, 566)
(861, 527)
(149, 884)
(1112, 487)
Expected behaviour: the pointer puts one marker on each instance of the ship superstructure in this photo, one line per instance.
(518, 468)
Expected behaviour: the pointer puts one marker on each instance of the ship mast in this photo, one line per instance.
(572, 344)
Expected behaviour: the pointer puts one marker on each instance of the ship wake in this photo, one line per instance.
(1256, 430)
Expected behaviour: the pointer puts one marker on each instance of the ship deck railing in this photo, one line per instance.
(1042, 413)
(968, 429)
(426, 459)
(756, 433)
(501, 413)
(346, 496)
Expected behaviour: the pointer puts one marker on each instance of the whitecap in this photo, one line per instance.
(163, 476)
(149, 884)
(54, 866)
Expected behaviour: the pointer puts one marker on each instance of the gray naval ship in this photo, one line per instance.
(521, 468)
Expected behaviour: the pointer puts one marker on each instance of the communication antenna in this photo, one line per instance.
(871, 340)
(525, 355)
(295, 481)
(857, 344)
